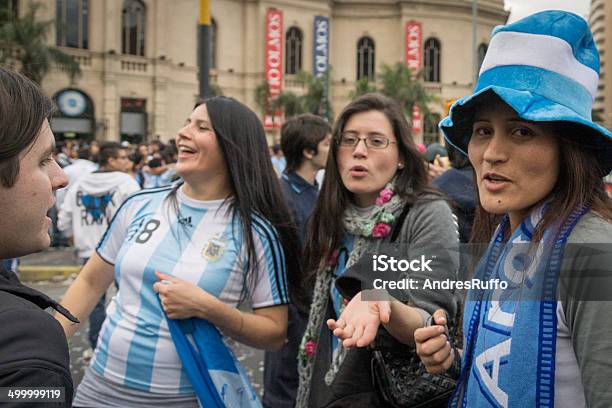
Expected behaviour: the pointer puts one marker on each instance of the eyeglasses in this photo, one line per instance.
(371, 141)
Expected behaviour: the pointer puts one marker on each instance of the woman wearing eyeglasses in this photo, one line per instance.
(374, 193)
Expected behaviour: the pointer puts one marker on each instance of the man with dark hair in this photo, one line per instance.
(305, 141)
(90, 204)
(33, 347)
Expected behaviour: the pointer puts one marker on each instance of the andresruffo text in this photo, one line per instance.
(446, 284)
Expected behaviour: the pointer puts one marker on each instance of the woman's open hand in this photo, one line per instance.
(359, 322)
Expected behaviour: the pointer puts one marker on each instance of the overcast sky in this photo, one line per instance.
(522, 8)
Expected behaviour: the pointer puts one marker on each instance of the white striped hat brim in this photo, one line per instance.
(457, 127)
(546, 67)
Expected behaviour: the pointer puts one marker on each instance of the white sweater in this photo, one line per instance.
(90, 204)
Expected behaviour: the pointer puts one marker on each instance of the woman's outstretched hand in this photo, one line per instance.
(433, 346)
(359, 322)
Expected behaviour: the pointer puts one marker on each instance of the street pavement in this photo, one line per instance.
(250, 358)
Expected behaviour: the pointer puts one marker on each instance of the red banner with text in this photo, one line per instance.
(274, 62)
(414, 61)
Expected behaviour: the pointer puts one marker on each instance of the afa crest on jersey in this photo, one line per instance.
(213, 249)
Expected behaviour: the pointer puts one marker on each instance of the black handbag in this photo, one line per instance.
(401, 380)
(398, 375)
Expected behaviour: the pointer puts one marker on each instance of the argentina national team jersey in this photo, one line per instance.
(203, 246)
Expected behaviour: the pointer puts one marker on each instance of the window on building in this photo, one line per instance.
(133, 120)
(482, 51)
(72, 23)
(430, 129)
(366, 58)
(8, 9)
(133, 27)
(293, 51)
(432, 60)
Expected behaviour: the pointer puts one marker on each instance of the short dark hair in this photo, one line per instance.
(109, 150)
(302, 132)
(23, 110)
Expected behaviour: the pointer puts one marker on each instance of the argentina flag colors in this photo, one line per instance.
(546, 67)
(203, 245)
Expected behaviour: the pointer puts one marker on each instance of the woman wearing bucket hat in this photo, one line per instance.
(539, 162)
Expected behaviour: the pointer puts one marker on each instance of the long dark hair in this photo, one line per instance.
(325, 230)
(257, 194)
(579, 183)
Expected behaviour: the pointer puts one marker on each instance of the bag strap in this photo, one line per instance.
(397, 228)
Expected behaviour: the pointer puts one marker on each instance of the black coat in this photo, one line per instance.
(33, 347)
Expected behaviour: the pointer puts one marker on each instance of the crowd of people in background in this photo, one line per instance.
(150, 165)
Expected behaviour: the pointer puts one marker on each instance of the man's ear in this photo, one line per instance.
(308, 153)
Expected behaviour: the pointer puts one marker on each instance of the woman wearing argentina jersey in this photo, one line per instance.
(539, 162)
(184, 258)
(374, 193)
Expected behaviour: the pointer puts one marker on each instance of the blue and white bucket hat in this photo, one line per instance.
(546, 67)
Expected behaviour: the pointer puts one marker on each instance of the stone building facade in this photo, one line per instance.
(601, 25)
(139, 57)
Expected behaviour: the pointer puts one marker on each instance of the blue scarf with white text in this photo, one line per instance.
(510, 335)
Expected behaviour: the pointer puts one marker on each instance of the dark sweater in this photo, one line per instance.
(458, 184)
(33, 347)
(280, 374)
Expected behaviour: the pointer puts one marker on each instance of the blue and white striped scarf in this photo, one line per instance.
(510, 343)
(216, 376)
